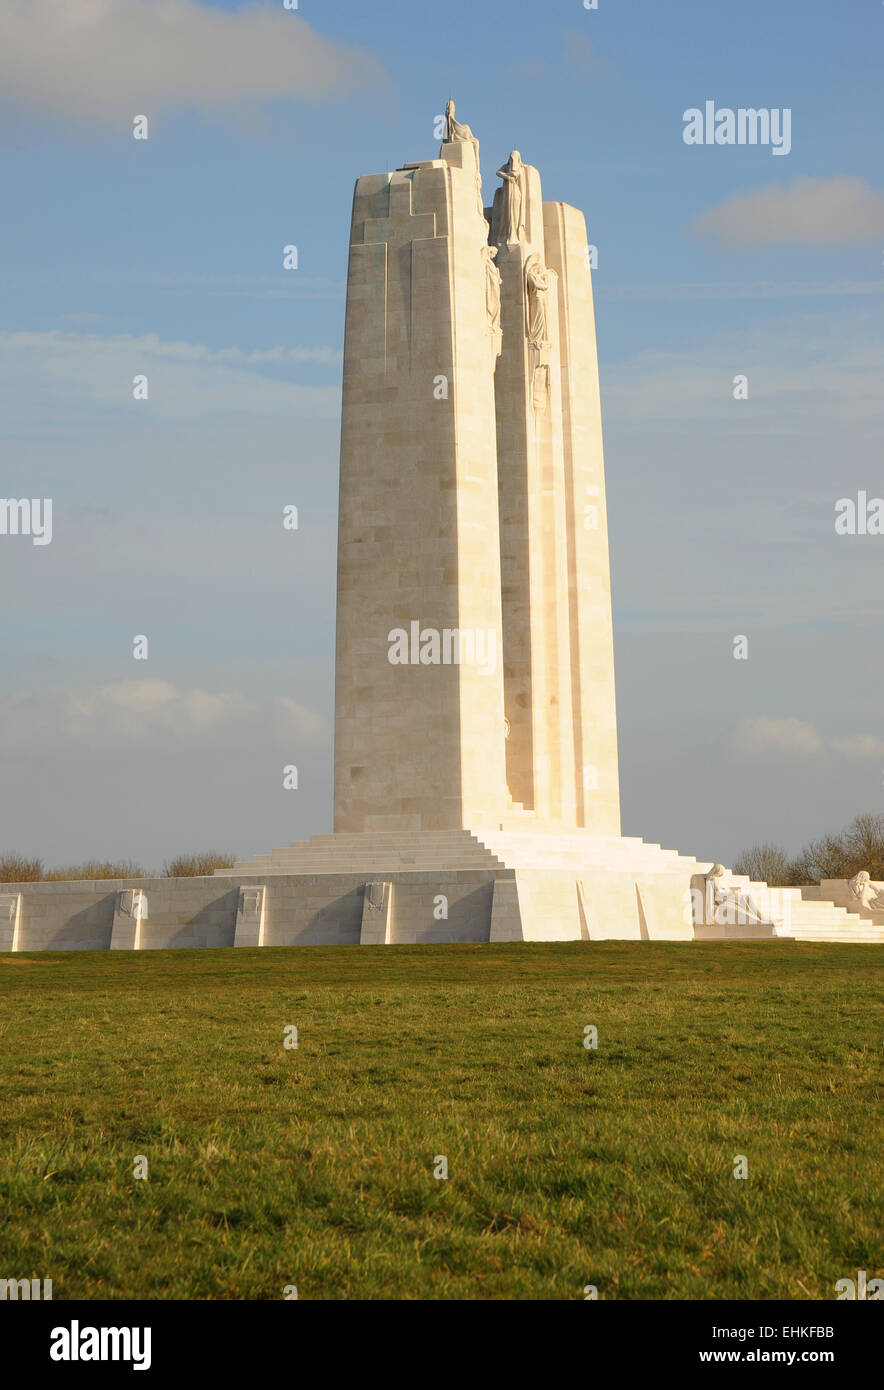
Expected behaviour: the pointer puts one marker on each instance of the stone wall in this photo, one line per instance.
(298, 910)
(80, 916)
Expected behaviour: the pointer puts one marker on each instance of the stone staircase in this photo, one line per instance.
(379, 852)
(792, 913)
(806, 918)
(403, 852)
(581, 851)
(838, 891)
(373, 853)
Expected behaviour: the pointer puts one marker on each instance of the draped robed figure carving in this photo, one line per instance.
(492, 288)
(456, 132)
(511, 225)
(537, 280)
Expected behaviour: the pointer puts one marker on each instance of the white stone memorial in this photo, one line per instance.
(475, 764)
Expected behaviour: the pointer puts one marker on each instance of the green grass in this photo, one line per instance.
(567, 1167)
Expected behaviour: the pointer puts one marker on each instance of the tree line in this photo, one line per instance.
(859, 846)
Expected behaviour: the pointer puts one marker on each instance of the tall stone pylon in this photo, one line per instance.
(419, 718)
(591, 636)
(476, 787)
(533, 521)
(475, 679)
(555, 566)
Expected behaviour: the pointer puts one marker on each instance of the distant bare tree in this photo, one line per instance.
(819, 859)
(864, 845)
(859, 846)
(764, 863)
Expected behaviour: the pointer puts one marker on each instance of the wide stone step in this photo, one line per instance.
(354, 864)
(388, 851)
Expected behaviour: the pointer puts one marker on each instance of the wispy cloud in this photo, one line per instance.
(284, 285)
(183, 378)
(736, 289)
(583, 54)
(809, 212)
(179, 351)
(109, 60)
(136, 714)
(794, 739)
(787, 736)
(804, 370)
(580, 55)
(863, 746)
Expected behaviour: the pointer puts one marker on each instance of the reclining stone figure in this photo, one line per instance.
(867, 893)
(731, 905)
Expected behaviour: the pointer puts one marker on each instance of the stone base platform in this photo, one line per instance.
(538, 886)
(390, 888)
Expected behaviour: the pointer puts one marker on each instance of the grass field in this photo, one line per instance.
(314, 1167)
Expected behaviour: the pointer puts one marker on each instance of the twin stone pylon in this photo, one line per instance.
(476, 783)
(476, 790)
(475, 674)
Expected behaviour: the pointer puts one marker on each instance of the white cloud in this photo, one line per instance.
(140, 714)
(583, 54)
(283, 285)
(179, 351)
(804, 371)
(760, 736)
(862, 746)
(651, 292)
(809, 212)
(184, 378)
(110, 60)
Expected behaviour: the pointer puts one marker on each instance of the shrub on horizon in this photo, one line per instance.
(15, 868)
(198, 865)
(96, 868)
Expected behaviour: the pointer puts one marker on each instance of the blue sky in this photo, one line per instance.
(164, 257)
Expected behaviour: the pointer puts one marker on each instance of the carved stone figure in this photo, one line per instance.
(454, 130)
(375, 895)
(540, 388)
(511, 227)
(251, 903)
(867, 893)
(739, 907)
(133, 903)
(492, 288)
(458, 133)
(537, 280)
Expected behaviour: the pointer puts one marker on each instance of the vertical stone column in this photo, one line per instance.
(377, 914)
(249, 928)
(548, 560)
(514, 429)
(10, 921)
(532, 504)
(589, 575)
(418, 746)
(130, 910)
